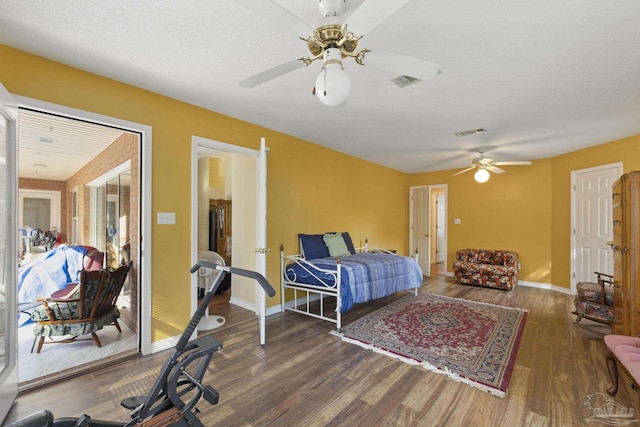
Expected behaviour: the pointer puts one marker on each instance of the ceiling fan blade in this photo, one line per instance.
(272, 73)
(371, 13)
(401, 64)
(278, 14)
(495, 169)
(463, 171)
(514, 163)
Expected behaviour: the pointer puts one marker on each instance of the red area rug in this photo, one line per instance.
(471, 342)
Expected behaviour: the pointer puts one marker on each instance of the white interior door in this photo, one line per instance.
(592, 212)
(261, 236)
(8, 252)
(441, 228)
(420, 227)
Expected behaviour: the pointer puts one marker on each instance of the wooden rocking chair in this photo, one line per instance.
(594, 300)
(86, 310)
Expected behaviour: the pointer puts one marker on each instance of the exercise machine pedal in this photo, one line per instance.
(211, 395)
(132, 403)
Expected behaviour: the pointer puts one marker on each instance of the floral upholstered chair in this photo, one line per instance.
(594, 300)
(88, 308)
(486, 267)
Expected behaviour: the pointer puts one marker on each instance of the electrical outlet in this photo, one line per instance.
(519, 266)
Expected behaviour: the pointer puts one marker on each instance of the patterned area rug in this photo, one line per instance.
(471, 342)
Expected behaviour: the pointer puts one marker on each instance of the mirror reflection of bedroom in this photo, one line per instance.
(78, 190)
(217, 186)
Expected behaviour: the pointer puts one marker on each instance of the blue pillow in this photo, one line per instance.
(312, 246)
(349, 242)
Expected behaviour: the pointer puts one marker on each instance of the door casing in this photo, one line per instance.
(605, 175)
(425, 258)
(260, 265)
(9, 368)
(145, 218)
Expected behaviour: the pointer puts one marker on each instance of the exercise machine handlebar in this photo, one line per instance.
(233, 270)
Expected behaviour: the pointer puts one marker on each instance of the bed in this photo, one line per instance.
(347, 275)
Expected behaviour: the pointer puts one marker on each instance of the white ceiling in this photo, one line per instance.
(54, 147)
(543, 77)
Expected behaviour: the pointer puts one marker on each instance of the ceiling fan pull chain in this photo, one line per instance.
(324, 67)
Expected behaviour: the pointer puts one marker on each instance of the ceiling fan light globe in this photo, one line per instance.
(333, 84)
(481, 175)
(332, 7)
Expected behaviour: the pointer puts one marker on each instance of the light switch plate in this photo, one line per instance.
(457, 221)
(166, 217)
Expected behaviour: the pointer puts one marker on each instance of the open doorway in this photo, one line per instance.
(226, 229)
(428, 227)
(80, 197)
(438, 233)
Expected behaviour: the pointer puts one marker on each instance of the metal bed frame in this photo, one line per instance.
(311, 293)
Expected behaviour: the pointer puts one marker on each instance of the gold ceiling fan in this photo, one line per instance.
(331, 43)
(486, 165)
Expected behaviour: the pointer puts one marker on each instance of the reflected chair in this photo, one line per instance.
(594, 300)
(86, 310)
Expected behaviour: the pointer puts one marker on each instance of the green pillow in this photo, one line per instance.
(336, 245)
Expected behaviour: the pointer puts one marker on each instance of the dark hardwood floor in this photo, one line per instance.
(305, 376)
(233, 314)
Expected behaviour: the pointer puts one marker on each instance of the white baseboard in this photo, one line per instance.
(300, 301)
(544, 286)
(252, 307)
(243, 304)
(171, 342)
(273, 310)
(164, 344)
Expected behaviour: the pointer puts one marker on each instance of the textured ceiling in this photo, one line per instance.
(544, 77)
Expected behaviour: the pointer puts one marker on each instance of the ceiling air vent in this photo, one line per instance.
(46, 140)
(469, 132)
(404, 81)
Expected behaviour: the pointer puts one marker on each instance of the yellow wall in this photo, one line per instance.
(499, 214)
(311, 189)
(527, 209)
(625, 150)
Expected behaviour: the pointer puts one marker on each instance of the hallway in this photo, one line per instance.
(437, 268)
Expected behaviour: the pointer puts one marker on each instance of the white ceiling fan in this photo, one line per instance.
(486, 165)
(333, 42)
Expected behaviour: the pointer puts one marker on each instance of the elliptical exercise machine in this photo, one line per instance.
(172, 399)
